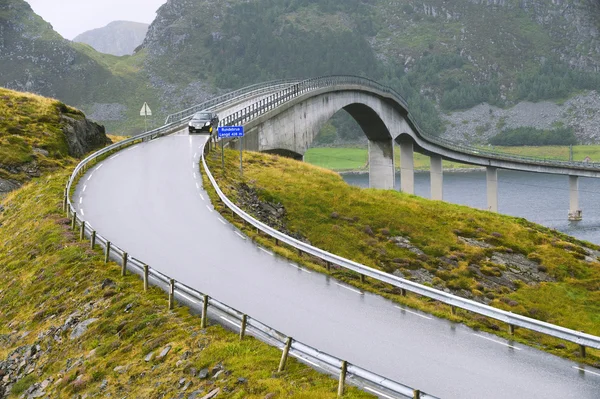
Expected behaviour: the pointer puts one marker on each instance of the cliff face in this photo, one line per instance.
(117, 38)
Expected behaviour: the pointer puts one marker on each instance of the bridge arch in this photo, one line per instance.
(292, 127)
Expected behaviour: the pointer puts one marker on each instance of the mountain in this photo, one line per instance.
(445, 58)
(34, 58)
(117, 38)
(442, 56)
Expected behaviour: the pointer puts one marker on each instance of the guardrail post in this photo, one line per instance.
(243, 328)
(65, 200)
(107, 252)
(82, 231)
(145, 278)
(204, 319)
(582, 350)
(74, 221)
(172, 294)
(511, 329)
(342, 381)
(124, 264)
(416, 394)
(328, 265)
(453, 310)
(362, 278)
(284, 355)
(93, 240)
(403, 292)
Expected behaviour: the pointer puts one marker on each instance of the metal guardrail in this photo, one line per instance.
(299, 88)
(513, 320)
(256, 89)
(221, 312)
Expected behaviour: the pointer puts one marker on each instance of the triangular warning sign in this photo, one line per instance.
(146, 111)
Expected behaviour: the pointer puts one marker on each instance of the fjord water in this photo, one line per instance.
(540, 198)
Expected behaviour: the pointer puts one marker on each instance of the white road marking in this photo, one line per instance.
(194, 175)
(349, 289)
(306, 360)
(84, 188)
(415, 313)
(230, 322)
(101, 165)
(585, 371)
(193, 165)
(197, 186)
(82, 213)
(498, 342)
(264, 250)
(202, 196)
(117, 155)
(238, 233)
(222, 221)
(299, 268)
(195, 155)
(378, 393)
(80, 200)
(211, 211)
(92, 174)
(189, 298)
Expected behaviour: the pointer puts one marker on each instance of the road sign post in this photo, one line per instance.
(145, 112)
(225, 132)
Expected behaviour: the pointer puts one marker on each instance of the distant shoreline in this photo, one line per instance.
(366, 172)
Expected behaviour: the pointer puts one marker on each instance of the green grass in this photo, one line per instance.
(344, 159)
(46, 274)
(358, 223)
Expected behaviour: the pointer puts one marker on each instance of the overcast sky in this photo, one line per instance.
(72, 17)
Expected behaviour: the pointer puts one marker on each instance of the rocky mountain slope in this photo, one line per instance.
(444, 57)
(38, 135)
(117, 38)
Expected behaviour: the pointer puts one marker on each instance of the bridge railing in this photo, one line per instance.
(256, 89)
(513, 320)
(201, 302)
(300, 88)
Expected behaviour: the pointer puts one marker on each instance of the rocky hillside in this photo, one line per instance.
(117, 38)
(34, 58)
(444, 57)
(38, 135)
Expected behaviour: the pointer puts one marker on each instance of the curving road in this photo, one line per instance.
(149, 200)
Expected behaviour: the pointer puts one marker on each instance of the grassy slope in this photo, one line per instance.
(46, 275)
(28, 121)
(341, 159)
(354, 223)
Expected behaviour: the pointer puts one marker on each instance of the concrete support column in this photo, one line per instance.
(436, 176)
(407, 166)
(492, 188)
(381, 164)
(574, 211)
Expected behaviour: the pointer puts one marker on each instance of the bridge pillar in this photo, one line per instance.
(574, 211)
(407, 166)
(436, 176)
(492, 188)
(381, 164)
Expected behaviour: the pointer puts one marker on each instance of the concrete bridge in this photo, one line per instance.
(288, 122)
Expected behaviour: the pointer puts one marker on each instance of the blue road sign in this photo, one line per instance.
(230, 131)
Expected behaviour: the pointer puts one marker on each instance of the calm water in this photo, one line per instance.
(541, 198)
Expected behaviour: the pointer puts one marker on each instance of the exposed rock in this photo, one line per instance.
(475, 243)
(203, 374)
(405, 243)
(83, 135)
(81, 328)
(212, 393)
(149, 357)
(108, 283)
(164, 352)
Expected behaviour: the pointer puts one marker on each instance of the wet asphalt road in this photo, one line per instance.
(149, 200)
